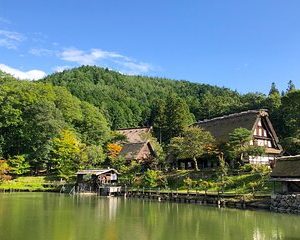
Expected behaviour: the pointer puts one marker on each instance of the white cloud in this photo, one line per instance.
(88, 58)
(42, 52)
(61, 68)
(111, 59)
(29, 75)
(133, 68)
(10, 39)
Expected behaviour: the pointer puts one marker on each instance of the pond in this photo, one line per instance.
(62, 217)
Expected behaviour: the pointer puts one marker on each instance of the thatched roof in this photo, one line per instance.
(96, 171)
(135, 151)
(287, 167)
(131, 150)
(135, 135)
(221, 127)
(136, 144)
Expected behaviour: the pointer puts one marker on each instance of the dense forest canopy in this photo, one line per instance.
(64, 121)
(45, 126)
(127, 101)
(130, 101)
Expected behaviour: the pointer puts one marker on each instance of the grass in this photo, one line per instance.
(30, 183)
(234, 184)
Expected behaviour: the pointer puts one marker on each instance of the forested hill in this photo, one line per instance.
(44, 126)
(129, 101)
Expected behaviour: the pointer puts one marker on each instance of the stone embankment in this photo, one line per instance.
(286, 203)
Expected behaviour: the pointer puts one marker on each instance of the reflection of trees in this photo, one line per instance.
(51, 216)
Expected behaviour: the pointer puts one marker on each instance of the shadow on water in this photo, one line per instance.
(52, 216)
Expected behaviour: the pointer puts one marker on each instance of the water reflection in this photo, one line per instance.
(52, 216)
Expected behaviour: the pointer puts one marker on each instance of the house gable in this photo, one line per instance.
(256, 121)
(136, 147)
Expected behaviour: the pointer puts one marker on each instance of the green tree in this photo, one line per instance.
(274, 89)
(42, 122)
(158, 119)
(158, 160)
(93, 126)
(291, 87)
(92, 156)
(273, 104)
(66, 153)
(291, 111)
(212, 105)
(239, 144)
(291, 121)
(18, 165)
(68, 105)
(153, 179)
(193, 144)
(178, 117)
(4, 171)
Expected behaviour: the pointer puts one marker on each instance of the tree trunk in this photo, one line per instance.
(196, 164)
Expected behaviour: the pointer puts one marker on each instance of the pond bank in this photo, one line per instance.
(219, 200)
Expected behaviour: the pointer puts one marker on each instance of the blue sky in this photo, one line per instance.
(244, 45)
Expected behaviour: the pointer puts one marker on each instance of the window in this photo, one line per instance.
(265, 132)
(260, 132)
(255, 131)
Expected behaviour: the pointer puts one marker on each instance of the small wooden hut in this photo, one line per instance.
(286, 191)
(286, 172)
(102, 181)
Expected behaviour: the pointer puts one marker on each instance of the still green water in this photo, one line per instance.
(30, 216)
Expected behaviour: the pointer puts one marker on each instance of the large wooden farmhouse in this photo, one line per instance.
(136, 147)
(257, 121)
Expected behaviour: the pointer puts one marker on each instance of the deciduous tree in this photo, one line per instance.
(193, 144)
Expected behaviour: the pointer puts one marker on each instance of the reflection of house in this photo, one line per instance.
(257, 121)
(136, 146)
(94, 180)
(287, 172)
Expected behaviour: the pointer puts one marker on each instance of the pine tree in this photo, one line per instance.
(273, 89)
(291, 86)
(178, 117)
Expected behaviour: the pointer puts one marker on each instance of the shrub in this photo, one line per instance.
(4, 169)
(19, 165)
(154, 178)
(189, 183)
(261, 169)
(247, 167)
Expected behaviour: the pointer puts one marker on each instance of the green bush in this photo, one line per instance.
(261, 169)
(18, 165)
(153, 179)
(247, 167)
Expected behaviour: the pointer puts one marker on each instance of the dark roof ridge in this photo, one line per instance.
(132, 128)
(234, 115)
(141, 142)
(289, 158)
